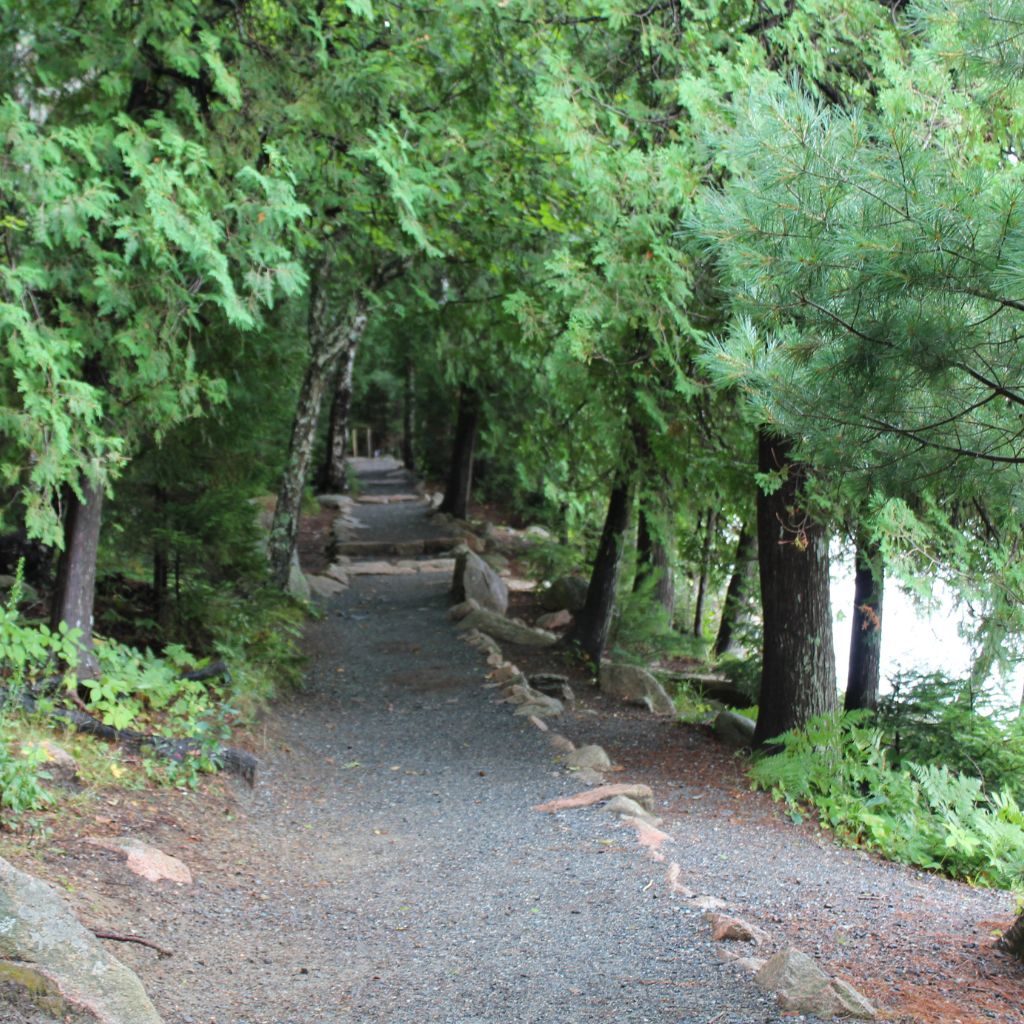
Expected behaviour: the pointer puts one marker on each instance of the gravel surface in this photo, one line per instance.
(392, 868)
(389, 866)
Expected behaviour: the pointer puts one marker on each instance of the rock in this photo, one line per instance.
(538, 532)
(325, 586)
(635, 685)
(750, 964)
(562, 743)
(145, 860)
(705, 902)
(503, 629)
(624, 807)
(446, 565)
(734, 729)
(517, 586)
(548, 708)
(734, 929)
(553, 685)
(649, 836)
(59, 758)
(496, 560)
(481, 641)
(566, 593)
(475, 580)
(475, 544)
(338, 570)
(589, 756)
(710, 686)
(335, 501)
(801, 985)
(298, 585)
(507, 673)
(459, 611)
(45, 951)
(520, 692)
(555, 620)
(379, 568)
(675, 885)
(642, 794)
(29, 594)
(854, 1004)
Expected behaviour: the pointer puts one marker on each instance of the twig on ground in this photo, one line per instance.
(118, 937)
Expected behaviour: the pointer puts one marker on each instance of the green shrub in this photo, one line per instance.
(925, 815)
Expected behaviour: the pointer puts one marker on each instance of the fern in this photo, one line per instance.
(921, 814)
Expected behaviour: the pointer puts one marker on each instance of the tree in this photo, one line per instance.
(128, 228)
(798, 673)
(864, 676)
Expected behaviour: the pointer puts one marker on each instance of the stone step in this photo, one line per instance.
(401, 549)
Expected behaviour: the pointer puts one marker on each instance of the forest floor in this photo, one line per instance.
(388, 865)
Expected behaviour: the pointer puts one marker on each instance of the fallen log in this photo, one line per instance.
(230, 759)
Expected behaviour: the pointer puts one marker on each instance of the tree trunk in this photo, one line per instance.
(654, 562)
(589, 634)
(737, 591)
(1013, 941)
(862, 682)
(161, 563)
(329, 338)
(798, 676)
(460, 471)
(705, 570)
(75, 593)
(409, 417)
(335, 477)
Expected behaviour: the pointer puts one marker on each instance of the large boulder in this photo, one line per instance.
(475, 580)
(568, 592)
(47, 954)
(635, 685)
(506, 630)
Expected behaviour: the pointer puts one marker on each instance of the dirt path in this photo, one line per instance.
(388, 866)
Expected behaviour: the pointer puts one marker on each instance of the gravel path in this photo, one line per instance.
(389, 866)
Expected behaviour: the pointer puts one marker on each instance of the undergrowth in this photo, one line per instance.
(150, 692)
(927, 815)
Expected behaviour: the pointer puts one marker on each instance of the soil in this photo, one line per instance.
(389, 866)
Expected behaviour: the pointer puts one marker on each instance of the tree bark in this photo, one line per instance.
(654, 562)
(409, 417)
(329, 338)
(335, 477)
(705, 571)
(1013, 941)
(161, 563)
(589, 634)
(737, 591)
(74, 596)
(460, 471)
(862, 681)
(798, 676)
